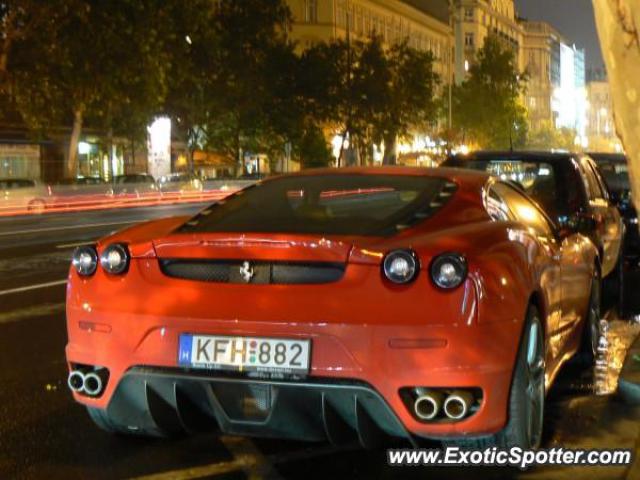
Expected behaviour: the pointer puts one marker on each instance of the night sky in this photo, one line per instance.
(573, 18)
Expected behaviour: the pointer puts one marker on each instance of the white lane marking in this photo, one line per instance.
(79, 244)
(32, 287)
(68, 227)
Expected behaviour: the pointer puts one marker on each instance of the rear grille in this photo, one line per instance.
(259, 272)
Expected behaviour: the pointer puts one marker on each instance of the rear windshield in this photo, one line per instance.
(330, 204)
(616, 174)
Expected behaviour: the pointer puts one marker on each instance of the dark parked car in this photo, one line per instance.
(571, 190)
(615, 170)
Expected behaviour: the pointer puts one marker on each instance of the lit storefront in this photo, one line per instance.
(20, 160)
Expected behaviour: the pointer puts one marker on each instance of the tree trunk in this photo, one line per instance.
(72, 163)
(390, 154)
(110, 154)
(618, 22)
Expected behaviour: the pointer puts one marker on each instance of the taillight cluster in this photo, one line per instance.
(447, 271)
(114, 259)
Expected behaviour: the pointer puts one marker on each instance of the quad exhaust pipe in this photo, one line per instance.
(457, 405)
(90, 383)
(429, 404)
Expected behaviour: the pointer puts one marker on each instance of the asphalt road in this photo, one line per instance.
(44, 434)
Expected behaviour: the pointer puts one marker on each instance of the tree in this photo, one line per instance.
(251, 34)
(103, 62)
(547, 137)
(487, 106)
(412, 101)
(618, 22)
(369, 92)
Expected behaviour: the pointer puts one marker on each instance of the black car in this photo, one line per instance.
(614, 168)
(569, 188)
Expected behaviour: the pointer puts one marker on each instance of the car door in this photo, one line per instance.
(522, 209)
(607, 219)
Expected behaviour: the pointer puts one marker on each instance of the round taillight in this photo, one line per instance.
(115, 259)
(401, 266)
(448, 270)
(85, 260)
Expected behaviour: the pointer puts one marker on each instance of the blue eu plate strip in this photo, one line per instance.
(184, 352)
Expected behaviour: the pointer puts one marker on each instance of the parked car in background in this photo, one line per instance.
(615, 170)
(180, 183)
(568, 187)
(81, 189)
(23, 194)
(304, 309)
(139, 184)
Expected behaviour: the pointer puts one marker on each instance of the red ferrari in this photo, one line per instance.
(341, 305)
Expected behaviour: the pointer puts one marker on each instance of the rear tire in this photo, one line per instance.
(526, 400)
(591, 329)
(37, 206)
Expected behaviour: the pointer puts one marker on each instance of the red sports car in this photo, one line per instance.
(346, 304)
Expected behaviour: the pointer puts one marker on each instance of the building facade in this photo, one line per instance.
(474, 21)
(423, 23)
(541, 52)
(601, 130)
(556, 91)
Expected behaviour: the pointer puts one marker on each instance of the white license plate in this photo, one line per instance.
(244, 354)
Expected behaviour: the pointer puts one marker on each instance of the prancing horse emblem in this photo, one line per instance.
(246, 271)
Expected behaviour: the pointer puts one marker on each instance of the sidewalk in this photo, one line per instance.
(629, 381)
(629, 393)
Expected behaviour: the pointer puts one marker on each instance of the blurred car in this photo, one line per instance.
(570, 189)
(341, 305)
(615, 170)
(81, 189)
(180, 183)
(23, 194)
(139, 184)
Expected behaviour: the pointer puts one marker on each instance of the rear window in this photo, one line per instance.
(330, 204)
(538, 179)
(616, 175)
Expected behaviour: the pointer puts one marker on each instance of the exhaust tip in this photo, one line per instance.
(92, 384)
(456, 406)
(76, 381)
(426, 407)
(427, 404)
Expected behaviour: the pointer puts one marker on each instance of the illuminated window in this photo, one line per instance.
(469, 39)
(468, 14)
(311, 11)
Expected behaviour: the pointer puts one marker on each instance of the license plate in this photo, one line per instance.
(244, 354)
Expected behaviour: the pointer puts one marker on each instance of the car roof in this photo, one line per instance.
(546, 156)
(608, 157)
(454, 174)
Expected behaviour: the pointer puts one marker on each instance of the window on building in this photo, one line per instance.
(469, 40)
(468, 14)
(311, 11)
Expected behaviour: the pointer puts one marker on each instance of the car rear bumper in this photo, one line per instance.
(171, 401)
(355, 371)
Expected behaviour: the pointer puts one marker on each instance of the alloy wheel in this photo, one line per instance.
(535, 384)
